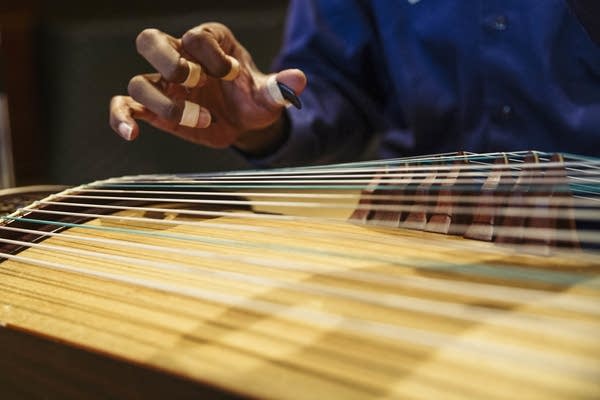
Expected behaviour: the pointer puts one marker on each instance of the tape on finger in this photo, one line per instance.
(234, 71)
(190, 115)
(194, 75)
(275, 93)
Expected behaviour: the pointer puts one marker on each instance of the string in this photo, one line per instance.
(514, 232)
(480, 290)
(401, 303)
(507, 211)
(582, 203)
(350, 180)
(390, 173)
(535, 233)
(528, 200)
(565, 315)
(390, 184)
(502, 271)
(376, 207)
(511, 210)
(580, 164)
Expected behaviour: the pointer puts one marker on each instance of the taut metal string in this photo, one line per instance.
(262, 244)
(481, 290)
(502, 271)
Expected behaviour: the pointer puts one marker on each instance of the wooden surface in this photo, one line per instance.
(309, 310)
(37, 367)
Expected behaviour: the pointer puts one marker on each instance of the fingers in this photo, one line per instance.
(145, 89)
(149, 103)
(121, 120)
(123, 110)
(203, 44)
(210, 44)
(161, 51)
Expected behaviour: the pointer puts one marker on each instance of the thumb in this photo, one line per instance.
(284, 87)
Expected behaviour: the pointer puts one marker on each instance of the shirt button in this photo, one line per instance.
(506, 111)
(503, 113)
(500, 23)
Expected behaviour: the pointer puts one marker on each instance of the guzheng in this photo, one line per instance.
(446, 276)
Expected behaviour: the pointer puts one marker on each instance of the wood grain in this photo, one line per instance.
(373, 313)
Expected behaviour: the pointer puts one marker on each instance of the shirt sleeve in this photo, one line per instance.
(588, 12)
(333, 42)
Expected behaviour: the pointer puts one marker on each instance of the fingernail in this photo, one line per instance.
(204, 119)
(125, 130)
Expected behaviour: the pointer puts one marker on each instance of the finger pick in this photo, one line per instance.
(282, 94)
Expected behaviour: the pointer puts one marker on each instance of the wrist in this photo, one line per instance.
(260, 143)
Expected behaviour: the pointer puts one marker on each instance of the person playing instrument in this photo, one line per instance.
(423, 76)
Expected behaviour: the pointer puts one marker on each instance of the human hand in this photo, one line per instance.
(206, 90)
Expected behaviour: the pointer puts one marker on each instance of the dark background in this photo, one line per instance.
(60, 64)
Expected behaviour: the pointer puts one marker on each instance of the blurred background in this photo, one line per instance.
(62, 61)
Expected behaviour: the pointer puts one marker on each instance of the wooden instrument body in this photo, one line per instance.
(288, 301)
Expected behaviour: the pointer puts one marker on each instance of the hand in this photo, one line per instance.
(207, 90)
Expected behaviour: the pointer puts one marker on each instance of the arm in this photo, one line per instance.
(334, 43)
(332, 40)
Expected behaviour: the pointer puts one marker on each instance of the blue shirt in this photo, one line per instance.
(434, 76)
